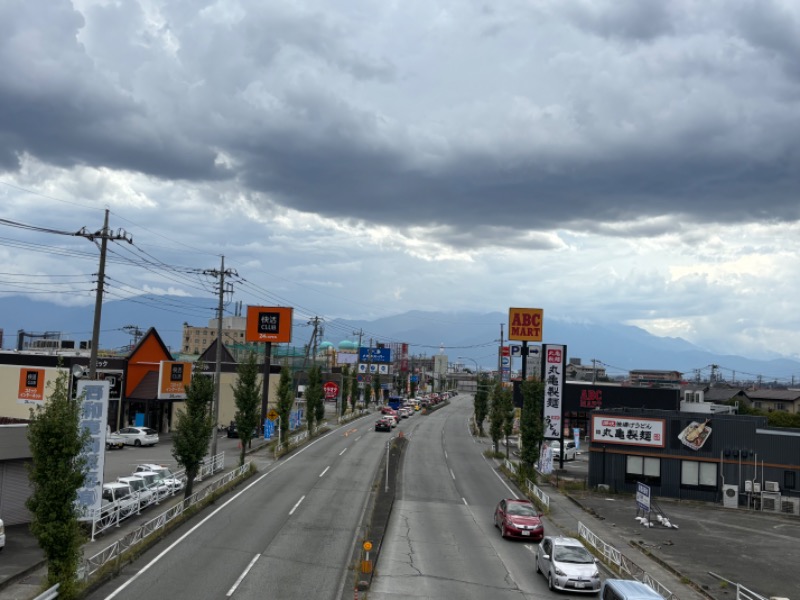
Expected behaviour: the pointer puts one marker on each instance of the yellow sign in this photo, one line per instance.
(367, 546)
(525, 324)
(272, 415)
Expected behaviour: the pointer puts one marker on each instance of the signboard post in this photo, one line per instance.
(268, 324)
(643, 496)
(94, 417)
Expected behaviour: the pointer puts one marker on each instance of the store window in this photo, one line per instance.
(698, 474)
(789, 480)
(643, 468)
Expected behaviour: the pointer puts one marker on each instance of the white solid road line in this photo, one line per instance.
(343, 451)
(465, 501)
(294, 508)
(325, 471)
(242, 576)
(453, 475)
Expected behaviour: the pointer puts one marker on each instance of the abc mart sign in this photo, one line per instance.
(525, 324)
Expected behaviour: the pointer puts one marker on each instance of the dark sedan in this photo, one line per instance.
(383, 425)
(518, 519)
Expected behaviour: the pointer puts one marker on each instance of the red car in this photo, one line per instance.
(518, 519)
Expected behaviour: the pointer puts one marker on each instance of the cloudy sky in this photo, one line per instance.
(631, 161)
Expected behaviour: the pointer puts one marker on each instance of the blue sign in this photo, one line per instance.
(374, 355)
(643, 496)
(414, 378)
(269, 429)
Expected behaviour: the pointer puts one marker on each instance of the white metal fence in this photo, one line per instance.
(115, 551)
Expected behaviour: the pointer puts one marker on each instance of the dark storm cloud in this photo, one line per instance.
(294, 103)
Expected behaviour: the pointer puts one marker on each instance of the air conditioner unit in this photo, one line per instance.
(770, 502)
(790, 506)
(730, 496)
(748, 486)
(771, 486)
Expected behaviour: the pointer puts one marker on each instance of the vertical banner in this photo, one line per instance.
(554, 359)
(31, 386)
(94, 417)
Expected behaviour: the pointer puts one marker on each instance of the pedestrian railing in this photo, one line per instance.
(293, 440)
(538, 493)
(115, 551)
(624, 565)
(742, 593)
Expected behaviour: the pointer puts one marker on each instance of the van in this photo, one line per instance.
(627, 589)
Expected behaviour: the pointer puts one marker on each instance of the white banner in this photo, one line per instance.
(628, 431)
(94, 417)
(554, 363)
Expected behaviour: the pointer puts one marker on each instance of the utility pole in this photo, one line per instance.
(500, 356)
(135, 332)
(218, 370)
(104, 234)
(594, 370)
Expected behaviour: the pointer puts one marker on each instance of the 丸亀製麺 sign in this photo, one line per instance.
(627, 430)
(553, 368)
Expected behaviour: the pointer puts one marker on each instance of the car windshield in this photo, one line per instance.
(572, 554)
(521, 510)
(137, 484)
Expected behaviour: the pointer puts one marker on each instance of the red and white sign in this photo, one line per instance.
(331, 389)
(628, 431)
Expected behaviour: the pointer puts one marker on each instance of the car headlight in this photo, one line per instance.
(558, 571)
(596, 575)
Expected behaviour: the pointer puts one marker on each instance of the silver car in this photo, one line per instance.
(139, 436)
(567, 565)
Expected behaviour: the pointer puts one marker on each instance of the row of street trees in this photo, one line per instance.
(58, 467)
(495, 402)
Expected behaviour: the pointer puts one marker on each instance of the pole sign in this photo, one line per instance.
(643, 496)
(269, 324)
(516, 350)
(554, 358)
(173, 378)
(331, 389)
(374, 355)
(93, 396)
(525, 324)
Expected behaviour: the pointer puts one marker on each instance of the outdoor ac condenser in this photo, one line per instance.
(730, 496)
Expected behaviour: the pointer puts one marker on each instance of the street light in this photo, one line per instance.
(477, 368)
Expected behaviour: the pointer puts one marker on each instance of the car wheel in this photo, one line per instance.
(137, 443)
(550, 583)
(502, 530)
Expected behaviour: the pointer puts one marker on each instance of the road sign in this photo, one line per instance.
(367, 546)
(331, 389)
(643, 496)
(272, 414)
(364, 378)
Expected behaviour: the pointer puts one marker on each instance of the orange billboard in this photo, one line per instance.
(173, 377)
(269, 324)
(525, 324)
(31, 385)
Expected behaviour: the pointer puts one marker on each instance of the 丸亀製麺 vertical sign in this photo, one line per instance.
(553, 368)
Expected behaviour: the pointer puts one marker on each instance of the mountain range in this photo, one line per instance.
(617, 347)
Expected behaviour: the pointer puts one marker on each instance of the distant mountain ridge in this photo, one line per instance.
(618, 347)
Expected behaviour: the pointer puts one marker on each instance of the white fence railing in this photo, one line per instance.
(538, 493)
(742, 593)
(626, 566)
(113, 552)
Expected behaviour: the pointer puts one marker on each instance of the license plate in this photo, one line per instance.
(579, 585)
(526, 533)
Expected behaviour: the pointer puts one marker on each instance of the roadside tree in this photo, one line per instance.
(481, 402)
(531, 429)
(56, 473)
(507, 402)
(345, 391)
(354, 389)
(285, 401)
(496, 415)
(377, 390)
(247, 397)
(194, 427)
(313, 396)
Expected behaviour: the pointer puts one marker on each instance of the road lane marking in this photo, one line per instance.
(343, 451)
(358, 438)
(242, 576)
(453, 475)
(174, 544)
(512, 492)
(294, 508)
(465, 501)
(445, 454)
(325, 471)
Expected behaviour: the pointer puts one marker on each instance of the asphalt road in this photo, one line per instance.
(288, 533)
(441, 541)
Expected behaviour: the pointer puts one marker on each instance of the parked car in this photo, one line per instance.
(518, 519)
(628, 589)
(154, 484)
(120, 495)
(383, 424)
(2, 535)
(233, 432)
(114, 440)
(165, 475)
(570, 453)
(139, 436)
(138, 486)
(567, 565)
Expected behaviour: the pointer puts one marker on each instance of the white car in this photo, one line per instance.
(121, 496)
(567, 565)
(2, 535)
(154, 484)
(165, 475)
(571, 452)
(138, 486)
(139, 436)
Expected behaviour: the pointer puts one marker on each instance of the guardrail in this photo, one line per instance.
(625, 565)
(538, 493)
(115, 551)
(742, 593)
